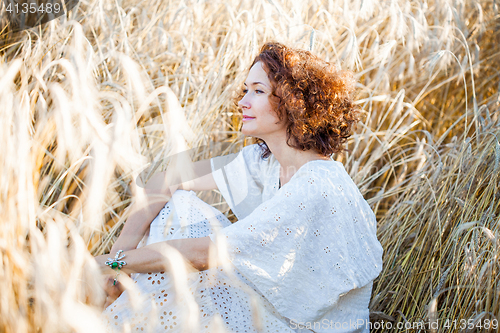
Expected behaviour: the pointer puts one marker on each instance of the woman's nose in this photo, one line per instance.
(243, 103)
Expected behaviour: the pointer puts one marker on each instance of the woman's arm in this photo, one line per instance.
(195, 253)
(152, 258)
(141, 217)
(157, 193)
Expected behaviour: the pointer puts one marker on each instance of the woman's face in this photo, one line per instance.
(259, 118)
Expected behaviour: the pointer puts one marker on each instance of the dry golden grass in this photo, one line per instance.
(86, 105)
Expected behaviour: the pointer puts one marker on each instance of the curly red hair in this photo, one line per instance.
(313, 95)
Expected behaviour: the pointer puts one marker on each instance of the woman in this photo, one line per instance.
(303, 253)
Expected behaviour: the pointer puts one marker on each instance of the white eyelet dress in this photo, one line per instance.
(210, 301)
(302, 258)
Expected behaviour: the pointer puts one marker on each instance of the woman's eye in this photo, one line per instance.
(245, 91)
(259, 91)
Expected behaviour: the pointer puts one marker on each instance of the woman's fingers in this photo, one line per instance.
(114, 289)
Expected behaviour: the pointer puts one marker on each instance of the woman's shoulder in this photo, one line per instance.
(324, 169)
(325, 175)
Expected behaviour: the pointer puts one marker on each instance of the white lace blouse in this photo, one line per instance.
(310, 247)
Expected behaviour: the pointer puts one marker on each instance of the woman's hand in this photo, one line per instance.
(113, 291)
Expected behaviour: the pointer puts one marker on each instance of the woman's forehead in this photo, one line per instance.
(257, 75)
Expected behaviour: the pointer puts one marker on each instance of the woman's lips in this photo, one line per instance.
(245, 118)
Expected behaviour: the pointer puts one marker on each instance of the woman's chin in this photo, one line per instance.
(246, 131)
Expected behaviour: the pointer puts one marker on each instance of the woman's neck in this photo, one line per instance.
(291, 159)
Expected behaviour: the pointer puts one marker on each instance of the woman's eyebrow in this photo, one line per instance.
(255, 83)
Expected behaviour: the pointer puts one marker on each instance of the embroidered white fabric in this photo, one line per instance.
(303, 257)
(214, 300)
(309, 247)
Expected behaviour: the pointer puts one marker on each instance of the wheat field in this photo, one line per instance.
(94, 101)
